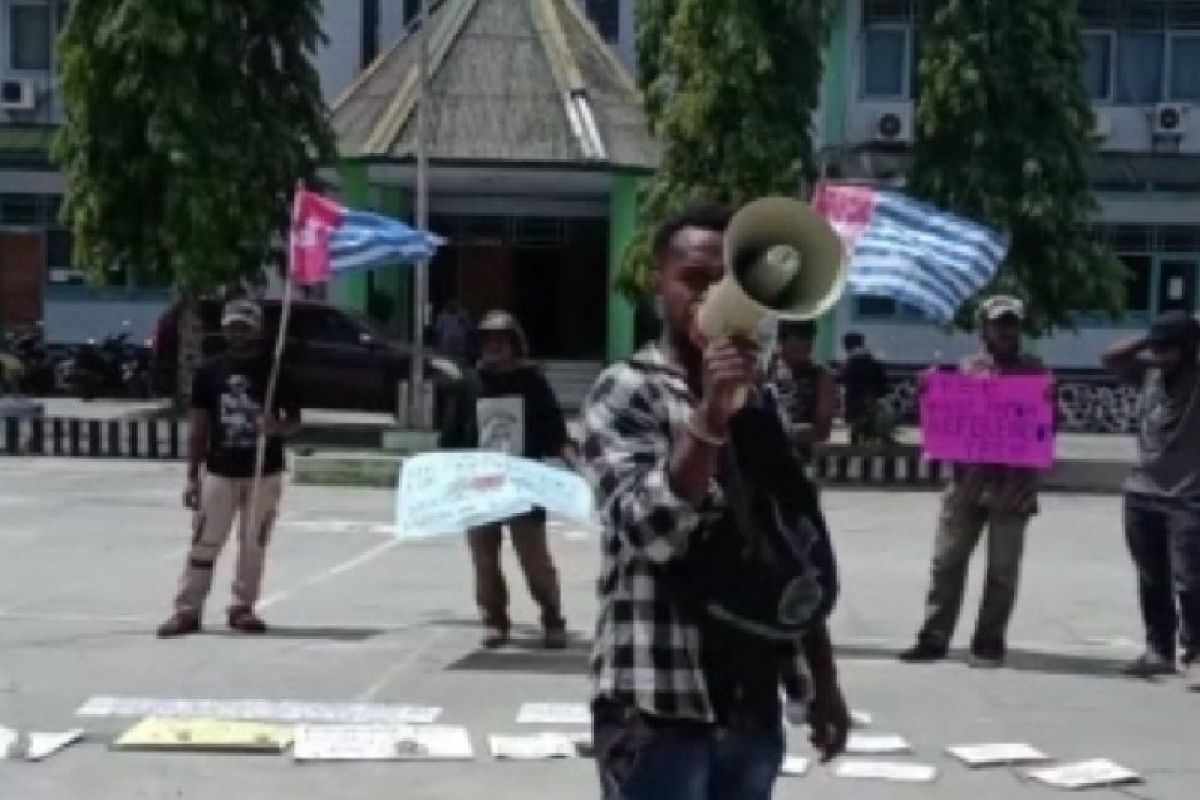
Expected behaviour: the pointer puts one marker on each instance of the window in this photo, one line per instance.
(1141, 57)
(885, 62)
(60, 270)
(370, 32)
(606, 14)
(1138, 283)
(1185, 67)
(30, 38)
(1098, 64)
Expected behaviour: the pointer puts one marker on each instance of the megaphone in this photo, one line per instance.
(781, 260)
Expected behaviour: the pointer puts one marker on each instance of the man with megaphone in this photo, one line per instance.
(718, 573)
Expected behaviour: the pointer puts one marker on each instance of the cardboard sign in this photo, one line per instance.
(204, 735)
(447, 492)
(1089, 774)
(863, 744)
(272, 710)
(537, 747)
(382, 743)
(1000, 419)
(992, 755)
(898, 771)
(554, 714)
(794, 766)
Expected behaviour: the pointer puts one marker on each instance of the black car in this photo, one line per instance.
(337, 359)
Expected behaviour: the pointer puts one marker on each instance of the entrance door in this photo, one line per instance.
(1177, 285)
(485, 277)
(21, 259)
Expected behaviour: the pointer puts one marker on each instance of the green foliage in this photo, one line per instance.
(1003, 136)
(729, 88)
(188, 124)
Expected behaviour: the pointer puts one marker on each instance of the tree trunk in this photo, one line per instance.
(189, 351)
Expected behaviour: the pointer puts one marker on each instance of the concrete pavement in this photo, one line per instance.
(89, 554)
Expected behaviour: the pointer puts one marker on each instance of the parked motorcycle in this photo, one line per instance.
(37, 376)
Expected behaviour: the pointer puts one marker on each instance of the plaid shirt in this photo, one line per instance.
(646, 655)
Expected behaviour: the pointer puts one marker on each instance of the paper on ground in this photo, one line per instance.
(875, 744)
(1089, 774)
(795, 766)
(538, 746)
(861, 719)
(162, 733)
(35, 746)
(554, 714)
(382, 743)
(44, 745)
(886, 771)
(990, 755)
(266, 710)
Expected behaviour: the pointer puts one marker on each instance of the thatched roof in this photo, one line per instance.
(511, 81)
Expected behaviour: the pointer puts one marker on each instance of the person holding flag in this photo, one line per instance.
(229, 413)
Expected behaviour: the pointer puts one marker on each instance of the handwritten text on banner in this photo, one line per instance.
(1003, 419)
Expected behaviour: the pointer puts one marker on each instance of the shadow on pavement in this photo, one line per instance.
(1018, 660)
(329, 634)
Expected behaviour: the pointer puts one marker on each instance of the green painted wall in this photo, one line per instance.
(350, 291)
(395, 280)
(622, 224)
(834, 96)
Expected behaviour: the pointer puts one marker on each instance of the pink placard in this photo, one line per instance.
(1001, 419)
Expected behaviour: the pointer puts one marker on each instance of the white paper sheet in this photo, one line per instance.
(861, 719)
(381, 743)
(535, 747)
(1088, 774)
(999, 754)
(554, 714)
(899, 771)
(264, 710)
(44, 745)
(863, 744)
(8, 743)
(795, 766)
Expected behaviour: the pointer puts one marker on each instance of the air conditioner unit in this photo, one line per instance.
(894, 126)
(17, 95)
(1102, 125)
(1170, 119)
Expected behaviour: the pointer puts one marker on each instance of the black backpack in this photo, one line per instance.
(766, 569)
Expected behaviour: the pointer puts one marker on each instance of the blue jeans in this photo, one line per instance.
(689, 762)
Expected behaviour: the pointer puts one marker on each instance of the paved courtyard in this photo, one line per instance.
(89, 554)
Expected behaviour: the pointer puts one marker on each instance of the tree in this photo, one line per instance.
(188, 125)
(730, 87)
(1003, 136)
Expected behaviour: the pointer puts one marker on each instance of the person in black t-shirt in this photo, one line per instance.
(865, 382)
(507, 405)
(226, 421)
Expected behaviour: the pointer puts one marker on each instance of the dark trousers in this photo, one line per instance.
(533, 553)
(663, 761)
(1163, 535)
(959, 530)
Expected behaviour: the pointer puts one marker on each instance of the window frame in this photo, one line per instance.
(906, 69)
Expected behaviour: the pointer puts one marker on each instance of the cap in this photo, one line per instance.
(1001, 305)
(1173, 328)
(244, 311)
(503, 321)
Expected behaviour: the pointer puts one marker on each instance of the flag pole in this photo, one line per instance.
(421, 274)
(260, 447)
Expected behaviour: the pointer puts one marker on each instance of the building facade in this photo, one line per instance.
(1142, 71)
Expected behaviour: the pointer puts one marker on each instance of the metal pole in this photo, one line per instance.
(421, 275)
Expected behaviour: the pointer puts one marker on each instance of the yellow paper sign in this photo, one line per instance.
(161, 733)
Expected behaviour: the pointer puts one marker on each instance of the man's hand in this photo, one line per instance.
(728, 372)
(191, 495)
(829, 719)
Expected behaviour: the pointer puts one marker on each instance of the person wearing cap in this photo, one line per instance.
(993, 496)
(1162, 493)
(507, 405)
(226, 420)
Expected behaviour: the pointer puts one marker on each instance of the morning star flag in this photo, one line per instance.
(327, 238)
(909, 250)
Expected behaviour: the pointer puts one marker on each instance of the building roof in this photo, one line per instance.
(511, 81)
